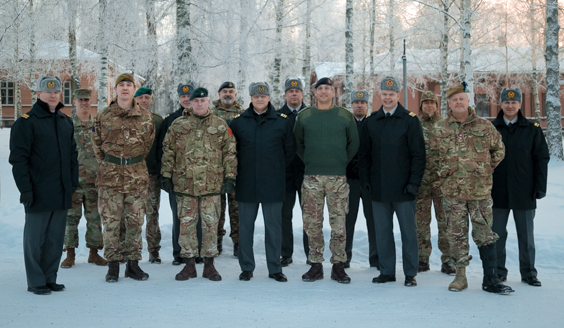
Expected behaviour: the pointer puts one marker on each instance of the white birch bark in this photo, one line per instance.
(103, 52)
(443, 47)
(372, 64)
(75, 78)
(32, 55)
(152, 70)
(306, 70)
(243, 34)
(349, 56)
(184, 64)
(275, 96)
(467, 49)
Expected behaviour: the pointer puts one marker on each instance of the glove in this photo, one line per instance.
(411, 189)
(539, 194)
(26, 198)
(366, 187)
(228, 186)
(166, 185)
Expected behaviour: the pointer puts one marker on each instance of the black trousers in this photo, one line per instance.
(384, 224)
(44, 235)
(287, 215)
(525, 238)
(355, 194)
(176, 227)
(272, 213)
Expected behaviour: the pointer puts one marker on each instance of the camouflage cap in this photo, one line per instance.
(185, 88)
(389, 83)
(511, 95)
(259, 88)
(143, 91)
(226, 85)
(82, 94)
(293, 83)
(459, 88)
(48, 83)
(199, 93)
(323, 80)
(127, 77)
(360, 95)
(428, 95)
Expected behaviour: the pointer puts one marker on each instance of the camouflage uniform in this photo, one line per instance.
(152, 230)
(122, 140)
(86, 194)
(228, 115)
(466, 155)
(430, 191)
(198, 155)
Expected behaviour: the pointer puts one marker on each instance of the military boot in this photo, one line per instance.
(459, 283)
(154, 257)
(236, 249)
(209, 270)
(113, 271)
(69, 261)
(219, 244)
(314, 273)
(133, 271)
(338, 273)
(491, 282)
(189, 270)
(93, 257)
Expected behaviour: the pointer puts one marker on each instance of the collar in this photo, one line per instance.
(391, 112)
(513, 121)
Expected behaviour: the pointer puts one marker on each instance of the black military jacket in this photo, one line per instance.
(265, 147)
(294, 171)
(391, 154)
(524, 169)
(44, 158)
(167, 122)
(352, 167)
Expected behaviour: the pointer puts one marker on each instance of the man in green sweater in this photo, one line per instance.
(326, 140)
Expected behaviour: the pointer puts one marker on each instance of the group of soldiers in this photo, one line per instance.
(114, 166)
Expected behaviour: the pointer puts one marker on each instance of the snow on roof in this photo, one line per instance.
(55, 49)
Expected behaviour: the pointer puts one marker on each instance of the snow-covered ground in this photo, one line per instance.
(163, 302)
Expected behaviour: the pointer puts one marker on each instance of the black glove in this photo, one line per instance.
(27, 198)
(539, 194)
(411, 189)
(366, 187)
(166, 185)
(228, 186)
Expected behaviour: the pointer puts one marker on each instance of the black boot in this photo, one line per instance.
(219, 245)
(113, 271)
(133, 271)
(491, 282)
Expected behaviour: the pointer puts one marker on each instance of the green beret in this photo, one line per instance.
(125, 77)
(82, 94)
(323, 80)
(199, 93)
(143, 91)
(226, 85)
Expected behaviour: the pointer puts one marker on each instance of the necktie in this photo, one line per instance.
(388, 115)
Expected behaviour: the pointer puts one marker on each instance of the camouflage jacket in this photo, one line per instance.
(465, 155)
(123, 134)
(430, 178)
(198, 154)
(87, 163)
(226, 114)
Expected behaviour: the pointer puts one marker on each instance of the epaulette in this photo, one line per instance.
(367, 116)
(537, 125)
(25, 116)
(236, 116)
(167, 115)
(283, 115)
(412, 114)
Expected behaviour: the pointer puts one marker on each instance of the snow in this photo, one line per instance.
(161, 301)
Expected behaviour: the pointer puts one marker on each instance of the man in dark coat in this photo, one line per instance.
(45, 167)
(518, 181)
(392, 161)
(264, 148)
(294, 102)
(184, 92)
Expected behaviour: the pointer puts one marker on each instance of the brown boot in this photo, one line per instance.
(314, 273)
(447, 268)
(133, 271)
(189, 270)
(209, 270)
(113, 271)
(93, 257)
(423, 266)
(338, 273)
(69, 261)
(459, 283)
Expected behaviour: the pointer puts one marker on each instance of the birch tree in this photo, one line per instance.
(275, 98)
(102, 46)
(349, 57)
(306, 70)
(184, 64)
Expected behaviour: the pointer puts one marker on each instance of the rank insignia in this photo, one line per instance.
(389, 83)
(412, 114)
(50, 85)
(185, 88)
(294, 83)
(360, 95)
(25, 116)
(284, 115)
(511, 94)
(329, 81)
(261, 89)
(230, 85)
(537, 125)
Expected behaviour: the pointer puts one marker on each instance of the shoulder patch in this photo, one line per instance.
(537, 125)
(25, 116)
(284, 115)
(412, 114)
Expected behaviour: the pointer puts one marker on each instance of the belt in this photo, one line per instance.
(123, 161)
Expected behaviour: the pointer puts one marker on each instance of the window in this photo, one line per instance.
(67, 99)
(7, 93)
(482, 105)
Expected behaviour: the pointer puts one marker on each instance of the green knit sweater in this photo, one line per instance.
(326, 140)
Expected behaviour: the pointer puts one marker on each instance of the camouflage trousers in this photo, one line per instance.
(87, 198)
(423, 219)
(116, 207)
(152, 230)
(457, 212)
(315, 189)
(233, 217)
(190, 209)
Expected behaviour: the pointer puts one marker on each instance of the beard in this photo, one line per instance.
(227, 100)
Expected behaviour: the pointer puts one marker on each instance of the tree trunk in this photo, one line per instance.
(535, 89)
(467, 49)
(349, 57)
(306, 70)
(553, 115)
(103, 52)
(391, 21)
(372, 64)
(184, 62)
(444, 58)
(32, 56)
(75, 78)
(153, 46)
(275, 96)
